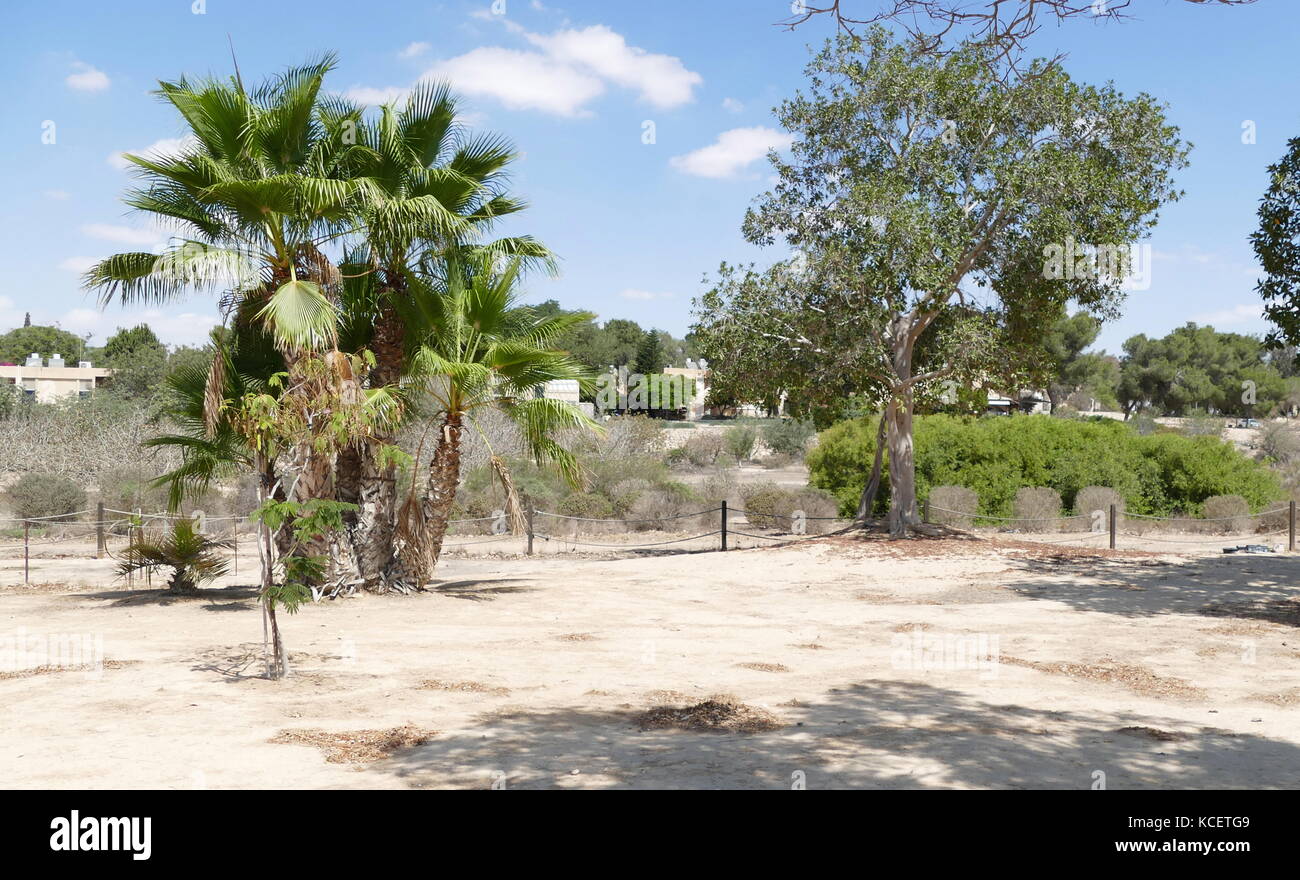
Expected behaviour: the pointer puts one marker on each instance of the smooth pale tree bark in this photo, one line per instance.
(867, 502)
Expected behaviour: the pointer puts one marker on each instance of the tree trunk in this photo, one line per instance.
(277, 661)
(868, 500)
(902, 464)
(424, 544)
(372, 529)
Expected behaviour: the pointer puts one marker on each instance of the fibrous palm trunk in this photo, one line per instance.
(372, 529)
(424, 528)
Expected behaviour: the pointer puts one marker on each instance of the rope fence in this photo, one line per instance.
(111, 525)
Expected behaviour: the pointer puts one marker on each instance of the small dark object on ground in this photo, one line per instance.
(1249, 548)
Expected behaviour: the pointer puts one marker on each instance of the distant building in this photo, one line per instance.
(48, 381)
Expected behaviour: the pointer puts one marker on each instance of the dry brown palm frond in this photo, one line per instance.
(514, 506)
(214, 392)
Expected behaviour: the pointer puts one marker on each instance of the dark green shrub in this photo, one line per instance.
(1157, 474)
(587, 505)
(740, 441)
(788, 436)
(763, 502)
(45, 495)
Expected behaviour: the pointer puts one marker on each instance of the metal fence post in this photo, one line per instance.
(529, 510)
(724, 525)
(100, 545)
(1112, 526)
(27, 571)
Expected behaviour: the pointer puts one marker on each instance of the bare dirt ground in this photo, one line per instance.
(856, 664)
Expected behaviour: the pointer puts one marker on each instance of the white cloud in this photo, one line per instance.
(172, 328)
(1242, 314)
(632, 293)
(122, 234)
(564, 72)
(414, 50)
(520, 80)
(78, 264)
(158, 149)
(85, 78)
(731, 105)
(373, 97)
(731, 152)
(662, 80)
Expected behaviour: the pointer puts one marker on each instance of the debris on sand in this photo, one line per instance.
(1138, 679)
(465, 687)
(577, 637)
(357, 746)
(29, 671)
(764, 667)
(721, 713)
(1155, 733)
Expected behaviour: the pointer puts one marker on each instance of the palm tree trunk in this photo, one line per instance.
(424, 545)
(375, 489)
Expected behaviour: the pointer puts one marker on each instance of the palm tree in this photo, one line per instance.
(253, 199)
(434, 191)
(479, 349)
(192, 556)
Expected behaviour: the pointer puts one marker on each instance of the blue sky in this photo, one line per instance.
(574, 85)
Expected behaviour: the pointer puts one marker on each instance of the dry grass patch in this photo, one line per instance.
(50, 670)
(1155, 733)
(464, 687)
(721, 713)
(1285, 699)
(1137, 679)
(357, 746)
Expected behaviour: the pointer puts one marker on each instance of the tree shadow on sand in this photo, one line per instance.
(1259, 588)
(874, 735)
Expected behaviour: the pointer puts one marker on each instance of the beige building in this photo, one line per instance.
(48, 381)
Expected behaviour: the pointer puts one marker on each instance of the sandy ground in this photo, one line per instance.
(925, 664)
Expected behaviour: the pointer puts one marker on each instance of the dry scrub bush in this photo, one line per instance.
(1226, 514)
(703, 448)
(761, 502)
(35, 496)
(954, 506)
(1094, 498)
(1038, 509)
(660, 510)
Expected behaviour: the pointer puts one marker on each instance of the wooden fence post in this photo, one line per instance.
(1290, 543)
(100, 544)
(1113, 525)
(529, 510)
(27, 571)
(724, 525)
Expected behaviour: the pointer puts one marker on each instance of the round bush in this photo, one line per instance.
(954, 506)
(763, 502)
(657, 510)
(45, 495)
(703, 448)
(1091, 499)
(1038, 509)
(1227, 514)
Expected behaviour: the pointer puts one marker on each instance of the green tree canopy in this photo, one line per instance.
(17, 344)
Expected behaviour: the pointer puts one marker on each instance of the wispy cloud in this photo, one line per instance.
(414, 50)
(561, 74)
(122, 234)
(1246, 313)
(158, 149)
(731, 105)
(85, 78)
(633, 293)
(733, 151)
